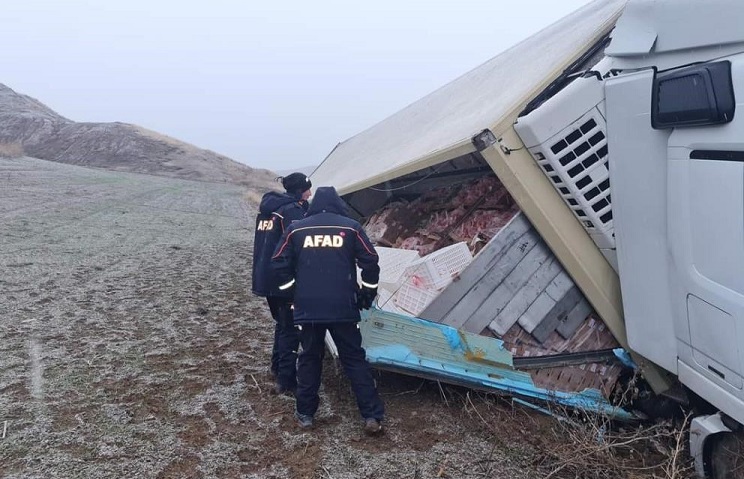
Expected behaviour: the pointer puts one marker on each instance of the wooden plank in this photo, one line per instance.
(481, 265)
(525, 297)
(536, 312)
(478, 289)
(546, 301)
(559, 311)
(527, 247)
(505, 291)
(559, 286)
(483, 289)
(575, 317)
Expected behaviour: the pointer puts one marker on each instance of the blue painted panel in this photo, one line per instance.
(432, 350)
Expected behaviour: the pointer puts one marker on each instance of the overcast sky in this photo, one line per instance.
(273, 84)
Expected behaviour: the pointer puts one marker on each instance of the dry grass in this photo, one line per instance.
(253, 197)
(574, 444)
(592, 447)
(11, 150)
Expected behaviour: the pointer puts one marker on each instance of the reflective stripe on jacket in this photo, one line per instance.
(319, 255)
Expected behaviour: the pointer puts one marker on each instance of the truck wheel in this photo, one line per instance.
(727, 456)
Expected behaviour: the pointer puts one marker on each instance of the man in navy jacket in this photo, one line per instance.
(276, 212)
(317, 258)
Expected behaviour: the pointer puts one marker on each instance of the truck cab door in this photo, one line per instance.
(706, 215)
(676, 146)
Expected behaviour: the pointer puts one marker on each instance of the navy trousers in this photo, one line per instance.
(286, 342)
(348, 340)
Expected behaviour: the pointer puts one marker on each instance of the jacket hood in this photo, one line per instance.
(273, 200)
(326, 200)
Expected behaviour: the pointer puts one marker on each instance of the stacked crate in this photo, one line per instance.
(409, 284)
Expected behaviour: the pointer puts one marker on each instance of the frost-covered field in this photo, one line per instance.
(130, 346)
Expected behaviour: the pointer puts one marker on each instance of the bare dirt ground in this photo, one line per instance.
(130, 346)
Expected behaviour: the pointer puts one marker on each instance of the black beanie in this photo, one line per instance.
(296, 183)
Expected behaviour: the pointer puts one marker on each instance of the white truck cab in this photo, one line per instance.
(647, 149)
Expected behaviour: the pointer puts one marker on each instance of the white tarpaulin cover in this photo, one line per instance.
(440, 126)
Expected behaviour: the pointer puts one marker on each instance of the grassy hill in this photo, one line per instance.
(29, 127)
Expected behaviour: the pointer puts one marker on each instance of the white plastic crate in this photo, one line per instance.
(393, 262)
(436, 270)
(413, 299)
(386, 301)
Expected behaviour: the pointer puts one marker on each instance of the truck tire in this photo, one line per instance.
(727, 456)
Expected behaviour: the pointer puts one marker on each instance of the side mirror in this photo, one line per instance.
(693, 96)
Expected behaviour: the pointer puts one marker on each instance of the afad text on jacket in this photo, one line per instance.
(317, 257)
(276, 212)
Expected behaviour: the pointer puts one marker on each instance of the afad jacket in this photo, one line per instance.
(317, 258)
(276, 212)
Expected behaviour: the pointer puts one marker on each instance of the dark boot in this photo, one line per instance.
(372, 427)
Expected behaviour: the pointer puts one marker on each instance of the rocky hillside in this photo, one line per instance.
(29, 126)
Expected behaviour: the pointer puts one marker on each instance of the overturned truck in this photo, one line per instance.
(470, 292)
(567, 212)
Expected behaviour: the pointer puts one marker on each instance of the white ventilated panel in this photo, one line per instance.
(573, 153)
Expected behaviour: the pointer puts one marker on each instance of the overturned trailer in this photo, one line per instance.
(527, 299)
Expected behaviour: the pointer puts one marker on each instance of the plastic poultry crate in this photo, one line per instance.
(436, 270)
(393, 263)
(386, 302)
(413, 299)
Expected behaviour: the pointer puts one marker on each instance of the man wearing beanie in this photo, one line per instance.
(317, 258)
(276, 212)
